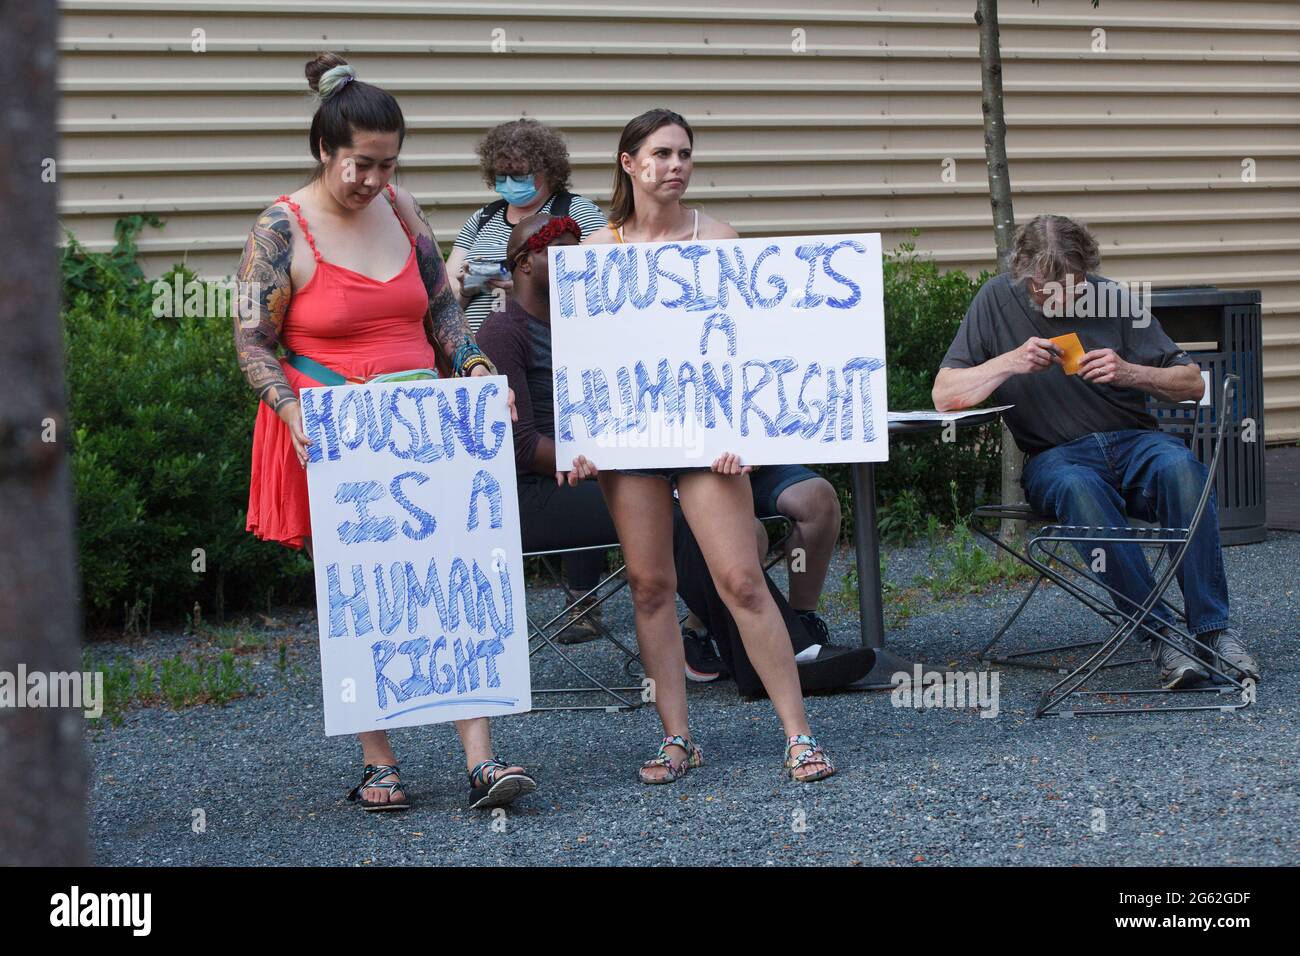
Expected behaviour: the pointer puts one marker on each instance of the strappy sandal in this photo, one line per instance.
(374, 775)
(693, 761)
(491, 786)
(814, 754)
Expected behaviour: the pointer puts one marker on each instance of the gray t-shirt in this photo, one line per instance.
(1052, 408)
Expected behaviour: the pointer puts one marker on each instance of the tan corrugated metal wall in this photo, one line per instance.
(1144, 140)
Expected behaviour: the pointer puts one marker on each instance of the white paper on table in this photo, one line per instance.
(933, 415)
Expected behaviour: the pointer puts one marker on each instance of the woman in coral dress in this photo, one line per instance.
(352, 287)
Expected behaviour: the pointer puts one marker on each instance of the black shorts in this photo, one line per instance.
(667, 474)
(768, 481)
(552, 517)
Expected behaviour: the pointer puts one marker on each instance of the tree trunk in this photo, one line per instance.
(1004, 218)
(42, 766)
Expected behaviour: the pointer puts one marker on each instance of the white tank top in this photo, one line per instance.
(695, 229)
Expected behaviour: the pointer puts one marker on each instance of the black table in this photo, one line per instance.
(866, 542)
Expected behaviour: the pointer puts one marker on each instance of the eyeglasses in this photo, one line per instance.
(1041, 288)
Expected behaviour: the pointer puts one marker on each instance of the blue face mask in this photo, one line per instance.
(517, 190)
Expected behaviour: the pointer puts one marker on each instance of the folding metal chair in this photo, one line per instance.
(545, 634)
(1052, 554)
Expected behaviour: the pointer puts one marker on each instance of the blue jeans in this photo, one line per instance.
(1096, 479)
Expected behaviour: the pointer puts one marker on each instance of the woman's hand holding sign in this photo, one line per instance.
(510, 392)
(582, 469)
(728, 463)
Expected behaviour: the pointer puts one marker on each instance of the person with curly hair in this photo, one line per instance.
(527, 163)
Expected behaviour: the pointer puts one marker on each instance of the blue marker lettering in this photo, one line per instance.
(356, 602)
(367, 527)
(428, 524)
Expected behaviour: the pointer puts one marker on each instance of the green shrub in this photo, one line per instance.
(178, 681)
(961, 564)
(162, 424)
(923, 308)
(903, 519)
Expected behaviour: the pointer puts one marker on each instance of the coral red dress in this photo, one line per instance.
(356, 325)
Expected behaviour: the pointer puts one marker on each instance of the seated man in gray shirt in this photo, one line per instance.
(1094, 453)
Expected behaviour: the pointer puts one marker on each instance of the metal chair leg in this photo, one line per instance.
(544, 635)
(1006, 626)
(1054, 699)
(1025, 658)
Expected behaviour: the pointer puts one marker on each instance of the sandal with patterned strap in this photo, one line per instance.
(375, 775)
(492, 785)
(676, 770)
(814, 754)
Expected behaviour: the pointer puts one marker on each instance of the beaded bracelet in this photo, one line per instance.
(475, 360)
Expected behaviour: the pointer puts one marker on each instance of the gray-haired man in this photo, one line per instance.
(1094, 452)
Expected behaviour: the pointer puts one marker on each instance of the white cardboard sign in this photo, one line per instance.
(669, 354)
(419, 567)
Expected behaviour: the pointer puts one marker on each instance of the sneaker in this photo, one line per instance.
(583, 622)
(1227, 644)
(817, 629)
(1177, 668)
(703, 665)
(835, 667)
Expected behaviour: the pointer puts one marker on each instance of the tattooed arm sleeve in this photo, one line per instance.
(263, 301)
(444, 323)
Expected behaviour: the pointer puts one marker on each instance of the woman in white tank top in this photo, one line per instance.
(654, 157)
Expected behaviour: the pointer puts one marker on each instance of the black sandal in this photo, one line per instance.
(491, 786)
(374, 776)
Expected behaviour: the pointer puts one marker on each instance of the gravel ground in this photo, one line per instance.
(940, 786)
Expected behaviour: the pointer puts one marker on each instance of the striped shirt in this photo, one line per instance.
(490, 243)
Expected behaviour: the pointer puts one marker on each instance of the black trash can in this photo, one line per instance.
(1223, 332)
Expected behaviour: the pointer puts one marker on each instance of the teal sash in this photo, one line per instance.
(327, 376)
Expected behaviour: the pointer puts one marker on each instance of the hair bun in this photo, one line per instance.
(321, 64)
